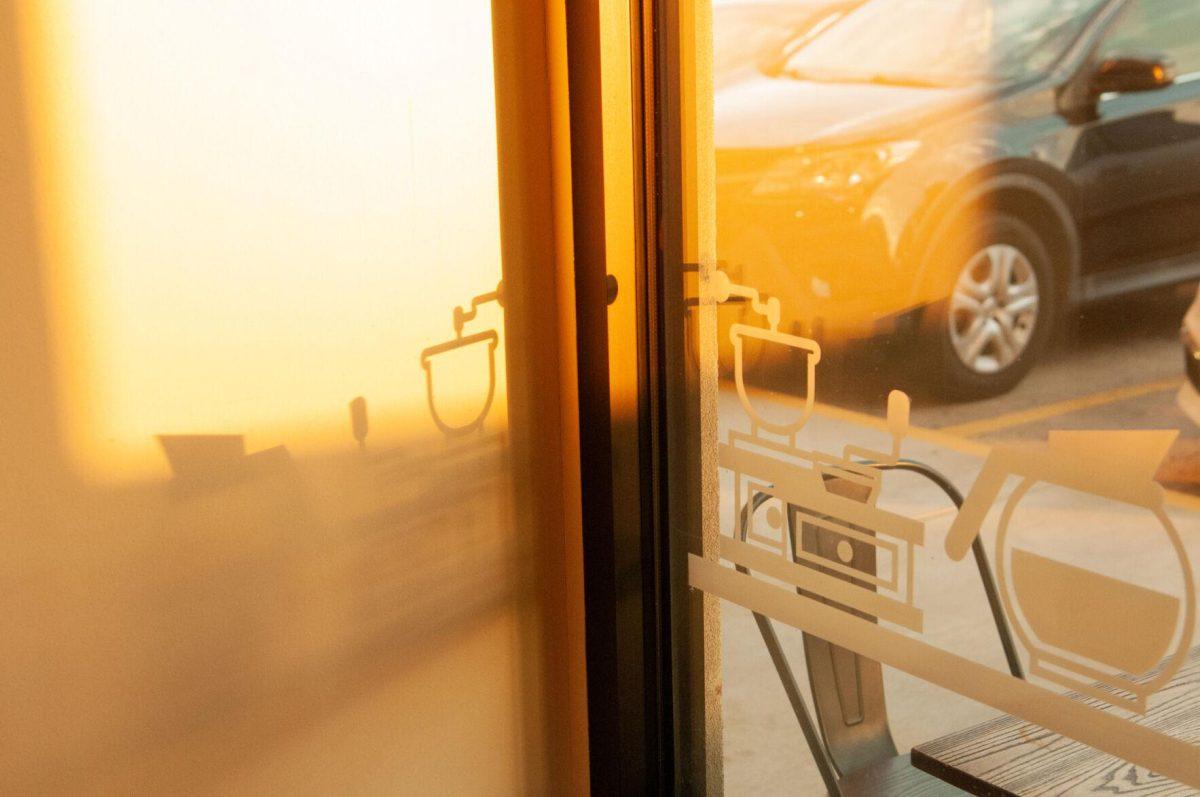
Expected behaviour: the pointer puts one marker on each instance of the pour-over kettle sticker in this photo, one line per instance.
(1098, 635)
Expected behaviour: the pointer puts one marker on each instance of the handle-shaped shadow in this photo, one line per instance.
(492, 339)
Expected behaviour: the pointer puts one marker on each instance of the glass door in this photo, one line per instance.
(950, 523)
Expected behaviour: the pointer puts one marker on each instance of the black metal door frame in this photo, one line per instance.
(640, 462)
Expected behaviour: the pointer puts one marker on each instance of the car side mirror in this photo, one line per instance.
(1124, 74)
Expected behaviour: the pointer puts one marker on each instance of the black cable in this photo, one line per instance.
(981, 557)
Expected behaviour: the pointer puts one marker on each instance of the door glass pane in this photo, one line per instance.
(258, 480)
(958, 241)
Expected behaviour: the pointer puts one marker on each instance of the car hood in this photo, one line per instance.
(769, 112)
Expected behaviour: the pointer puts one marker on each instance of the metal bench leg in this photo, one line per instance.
(784, 670)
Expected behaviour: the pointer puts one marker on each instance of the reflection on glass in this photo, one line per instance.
(936, 43)
(960, 181)
(995, 205)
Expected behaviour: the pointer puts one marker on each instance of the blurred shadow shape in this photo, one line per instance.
(203, 457)
(217, 460)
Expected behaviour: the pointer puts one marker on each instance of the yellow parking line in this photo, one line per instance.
(964, 445)
(937, 437)
(1041, 413)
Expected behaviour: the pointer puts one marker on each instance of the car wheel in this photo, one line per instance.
(998, 313)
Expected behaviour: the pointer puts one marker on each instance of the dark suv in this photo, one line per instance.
(960, 171)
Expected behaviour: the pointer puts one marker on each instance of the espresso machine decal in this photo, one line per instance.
(767, 463)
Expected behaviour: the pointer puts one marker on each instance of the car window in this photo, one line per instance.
(943, 42)
(1167, 27)
(760, 35)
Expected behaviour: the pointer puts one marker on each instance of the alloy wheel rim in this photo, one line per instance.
(994, 309)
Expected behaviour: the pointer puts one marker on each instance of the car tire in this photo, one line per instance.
(998, 312)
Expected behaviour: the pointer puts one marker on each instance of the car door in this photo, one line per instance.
(1137, 166)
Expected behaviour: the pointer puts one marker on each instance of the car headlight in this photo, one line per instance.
(834, 170)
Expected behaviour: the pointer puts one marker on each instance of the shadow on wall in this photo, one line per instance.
(352, 621)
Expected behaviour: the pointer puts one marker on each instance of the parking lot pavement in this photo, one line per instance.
(1117, 368)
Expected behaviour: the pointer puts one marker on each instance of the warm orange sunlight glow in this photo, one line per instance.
(249, 231)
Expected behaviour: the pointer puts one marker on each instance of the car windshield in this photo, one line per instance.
(750, 34)
(943, 42)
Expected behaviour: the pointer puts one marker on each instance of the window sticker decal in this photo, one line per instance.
(845, 570)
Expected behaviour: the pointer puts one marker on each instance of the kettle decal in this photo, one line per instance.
(1119, 630)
